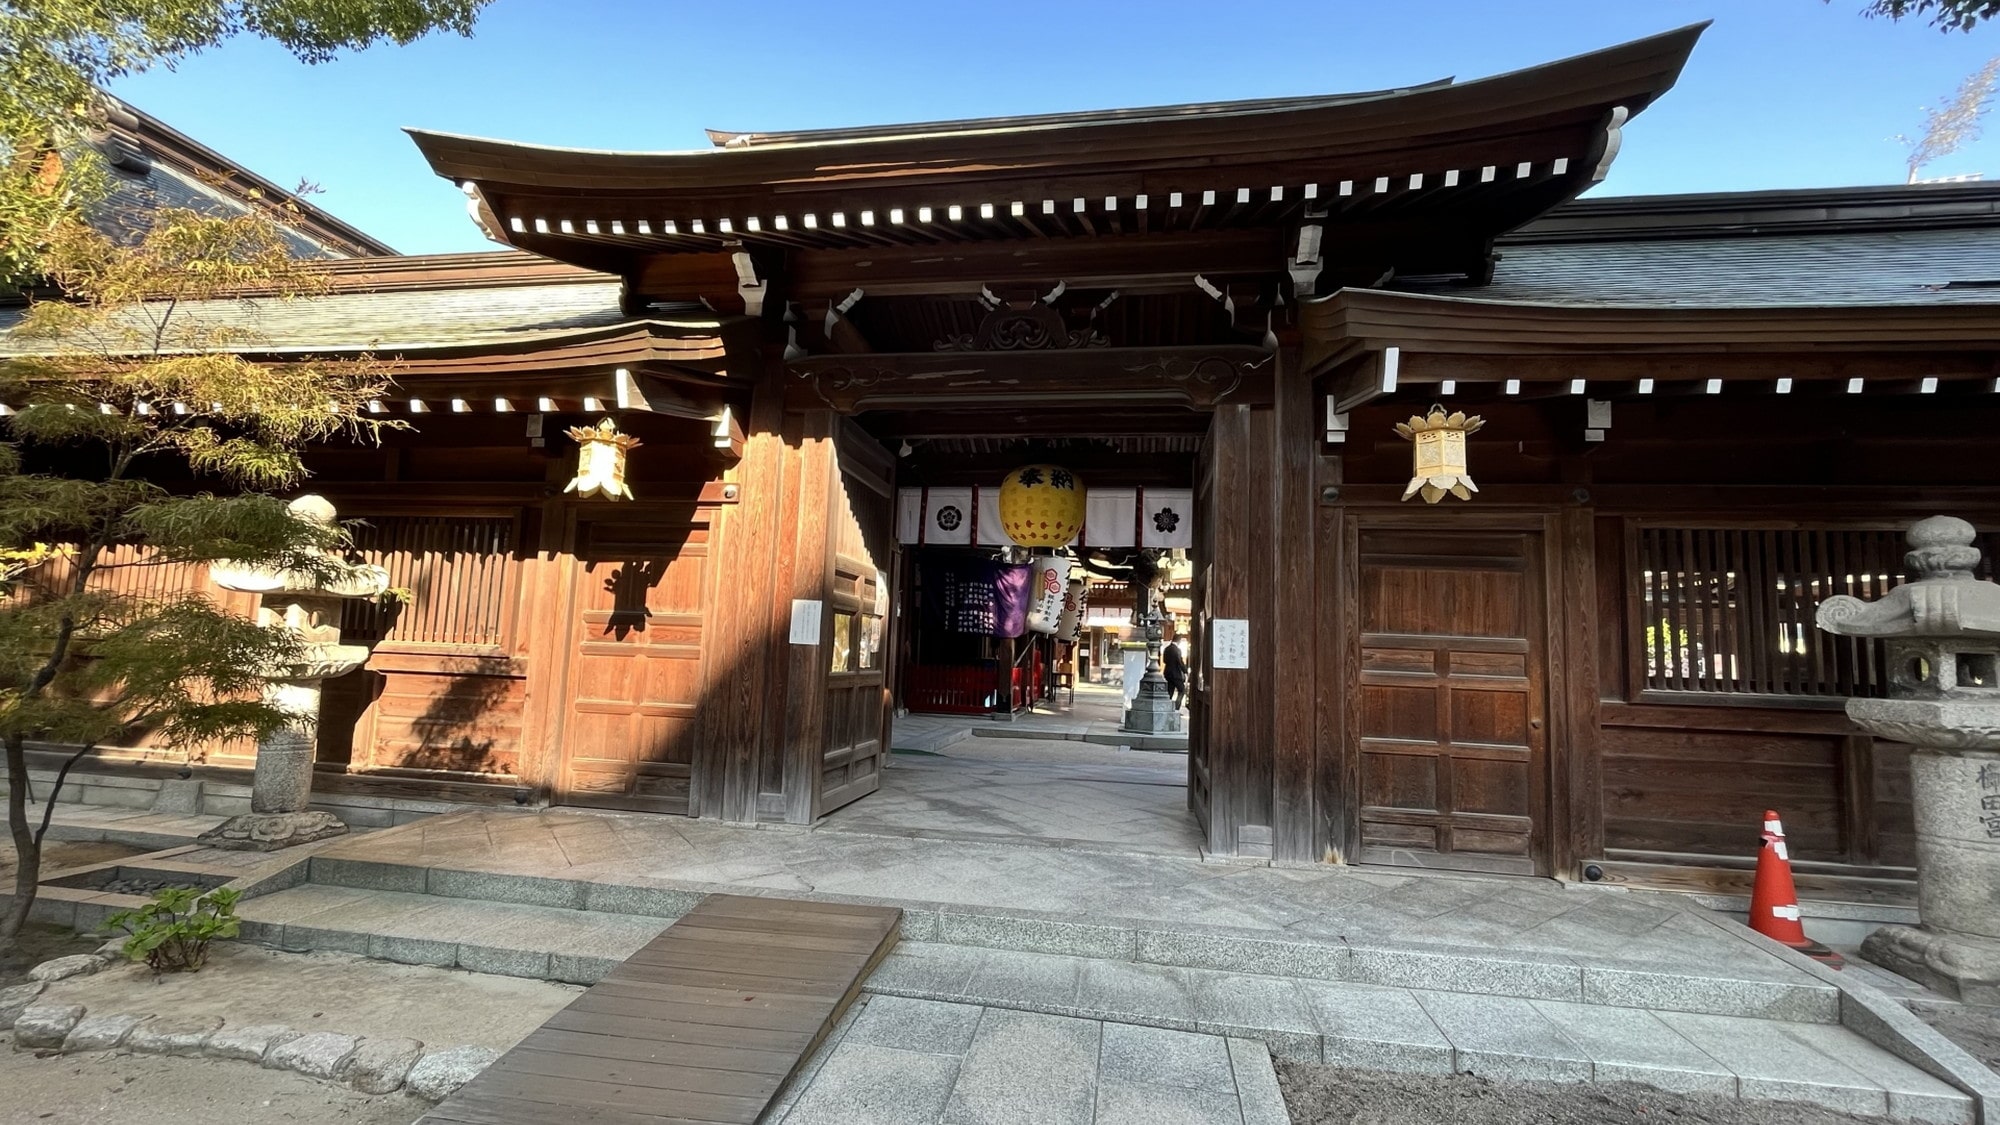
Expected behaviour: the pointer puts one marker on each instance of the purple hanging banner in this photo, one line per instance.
(976, 596)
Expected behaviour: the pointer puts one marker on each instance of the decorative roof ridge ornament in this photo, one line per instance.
(1030, 325)
(600, 461)
(1439, 450)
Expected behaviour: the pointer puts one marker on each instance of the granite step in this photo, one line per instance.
(1430, 1031)
(1752, 985)
(1336, 1021)
(507, 939)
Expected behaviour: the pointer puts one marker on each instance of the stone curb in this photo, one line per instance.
(370, 1066)
(1496, 972)
(1879, 1018)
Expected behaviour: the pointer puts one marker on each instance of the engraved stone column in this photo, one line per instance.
(1942, 633)
(281, 787)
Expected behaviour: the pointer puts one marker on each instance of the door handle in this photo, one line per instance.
(1534, 724)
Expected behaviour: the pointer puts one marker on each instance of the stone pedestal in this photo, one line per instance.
(1956, 949)
(281, 787)
(1942, 638)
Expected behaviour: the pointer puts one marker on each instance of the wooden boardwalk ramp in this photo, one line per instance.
(704, 1025)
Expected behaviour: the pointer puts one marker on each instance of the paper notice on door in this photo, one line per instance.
(1229, 642)
(805, 621)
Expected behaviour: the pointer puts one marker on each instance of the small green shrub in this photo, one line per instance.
(171, 934)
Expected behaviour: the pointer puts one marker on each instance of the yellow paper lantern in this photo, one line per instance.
(1041, 506)
(1440, 454)
(600, 461)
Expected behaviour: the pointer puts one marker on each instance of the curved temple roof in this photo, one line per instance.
(1418, 179)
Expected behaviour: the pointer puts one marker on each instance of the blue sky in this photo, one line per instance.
(1780, 93)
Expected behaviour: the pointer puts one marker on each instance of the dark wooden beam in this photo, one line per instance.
(1164, 259)
(1192, 377)
(1420, 367)
(1030, 422)
(1366, 378)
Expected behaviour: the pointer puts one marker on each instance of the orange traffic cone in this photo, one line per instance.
(1774, 899)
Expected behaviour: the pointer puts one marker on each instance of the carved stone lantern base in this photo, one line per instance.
(1153, 711)
(268, 832)
(1954, 964)
(1955, 794)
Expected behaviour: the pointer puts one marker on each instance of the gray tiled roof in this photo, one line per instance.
(133, 200)
(1868, 268)
(387, 322)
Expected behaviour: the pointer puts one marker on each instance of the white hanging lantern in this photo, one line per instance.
(600, 461)
(1075, 605)
(1048, 580)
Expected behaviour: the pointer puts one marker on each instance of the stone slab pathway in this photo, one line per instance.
(1139, 807)
(1539, 920)
(921, 1062)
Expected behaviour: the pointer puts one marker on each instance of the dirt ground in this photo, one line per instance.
(1975, 1029)
(98, 1089)
(1325, 1095)
(247, 985)
(57, 854)
(251, 985)
(39, 943)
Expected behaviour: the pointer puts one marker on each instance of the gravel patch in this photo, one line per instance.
(1975, 1029)
(1325, 1095)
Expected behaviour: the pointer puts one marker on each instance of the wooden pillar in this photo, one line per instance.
(1298, 828)
(544, 632)
(1240, 587)
(1576, 805)
(744, 629)
(804, 573)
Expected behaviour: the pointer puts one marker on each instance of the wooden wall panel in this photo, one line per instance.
(432, 713)
(1668, 789)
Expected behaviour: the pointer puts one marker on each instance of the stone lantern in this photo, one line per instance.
(282, 785)
(1152, 710)
(1942, 632)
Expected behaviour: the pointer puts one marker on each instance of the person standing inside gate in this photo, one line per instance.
(1173, 665)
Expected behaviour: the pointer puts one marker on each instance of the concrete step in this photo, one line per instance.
(1430, 1031)
(508, 939)
(1752, 985)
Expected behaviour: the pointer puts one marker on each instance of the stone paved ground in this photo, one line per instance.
(992, 788)
(920, 1062)
(1324, 903)
(1095, 712)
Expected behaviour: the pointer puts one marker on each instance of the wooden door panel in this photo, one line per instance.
(859, 710)
(636, 673)
(1450, 687)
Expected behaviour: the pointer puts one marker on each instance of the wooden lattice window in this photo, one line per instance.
(1729, 611)
(459, 571)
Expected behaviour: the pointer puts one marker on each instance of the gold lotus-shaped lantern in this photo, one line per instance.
(1439, 439)
(600, 461)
